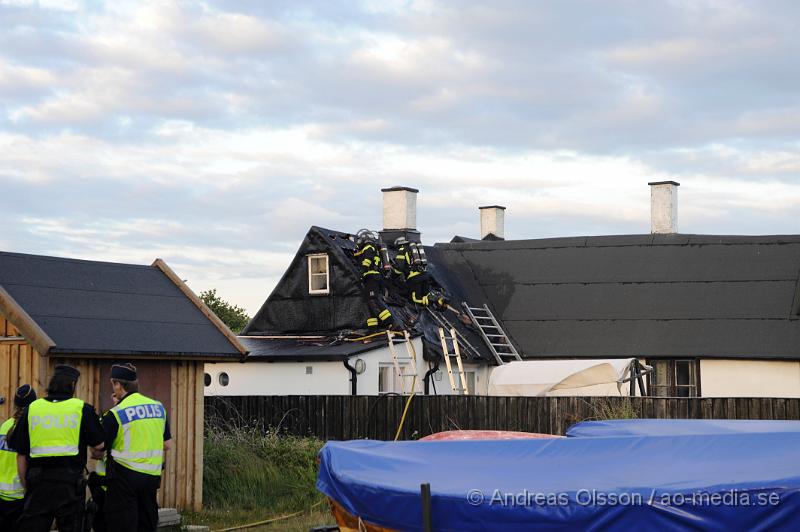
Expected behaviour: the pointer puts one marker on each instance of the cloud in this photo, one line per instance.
(215, 133)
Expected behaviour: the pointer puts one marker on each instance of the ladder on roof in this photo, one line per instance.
(493, 334)
(462, 376)
(445, 324)
(405, 367)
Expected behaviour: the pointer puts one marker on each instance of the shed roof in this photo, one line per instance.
(675, 295)
(102, 308)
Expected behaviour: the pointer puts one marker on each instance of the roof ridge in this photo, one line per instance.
(70, 259)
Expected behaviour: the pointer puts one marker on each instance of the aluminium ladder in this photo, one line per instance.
(493, 334)
(408, 368)
(463, 389)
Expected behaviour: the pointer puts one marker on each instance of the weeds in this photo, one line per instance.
(612, 408)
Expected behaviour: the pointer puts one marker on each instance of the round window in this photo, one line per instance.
(207, 379)
(223, 379)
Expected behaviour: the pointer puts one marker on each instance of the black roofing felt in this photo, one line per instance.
(108, 308)
(290, 310)
(640, 295)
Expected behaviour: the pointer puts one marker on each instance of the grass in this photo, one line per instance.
(616, 408)
(251, 475)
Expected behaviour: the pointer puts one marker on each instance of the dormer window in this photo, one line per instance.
(318, 276)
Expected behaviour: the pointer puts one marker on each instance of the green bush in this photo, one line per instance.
(246, 468)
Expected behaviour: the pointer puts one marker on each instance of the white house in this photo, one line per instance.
(713, 315)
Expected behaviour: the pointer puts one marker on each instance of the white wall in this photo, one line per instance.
(327, 378)
(749, 378)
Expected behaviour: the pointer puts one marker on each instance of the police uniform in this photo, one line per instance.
(136, 429)
(370, 260)
(11, 489)
(54, 433)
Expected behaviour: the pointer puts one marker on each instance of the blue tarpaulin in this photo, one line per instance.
(671, 427)
(733, 481)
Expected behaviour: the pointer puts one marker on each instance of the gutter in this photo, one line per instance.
(353, 377)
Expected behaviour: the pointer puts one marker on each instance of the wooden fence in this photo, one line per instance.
(377, 417)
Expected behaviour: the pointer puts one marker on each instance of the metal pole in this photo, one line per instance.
(427, 519)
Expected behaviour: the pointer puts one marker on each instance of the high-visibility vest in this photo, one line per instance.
(55, 427)
(10, 486)
(139, 444)
(100, 470)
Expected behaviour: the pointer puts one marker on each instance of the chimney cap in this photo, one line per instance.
(395, 189)
(664, 183)
(492, 207)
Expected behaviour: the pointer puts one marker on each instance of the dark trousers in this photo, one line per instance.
(131, 504)
(373, 290)
(9, 513)
(48, 499)
(99, 523)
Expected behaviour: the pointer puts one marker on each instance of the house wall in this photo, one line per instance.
(179, 385)
(749, 378)
(326, 378)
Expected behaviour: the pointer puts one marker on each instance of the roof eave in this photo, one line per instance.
(150, 355)
(23, 322)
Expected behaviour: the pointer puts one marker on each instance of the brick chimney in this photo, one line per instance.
(493, 219)
(400, 214)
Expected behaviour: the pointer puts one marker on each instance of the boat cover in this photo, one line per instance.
(733, 481)
(668, 427)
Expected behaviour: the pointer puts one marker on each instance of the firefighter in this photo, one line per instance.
(11, 490)
(408, 263)
(51, 438)
(369, 258)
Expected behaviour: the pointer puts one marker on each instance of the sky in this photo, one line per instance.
(214, 134)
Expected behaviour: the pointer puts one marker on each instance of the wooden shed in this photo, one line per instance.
(93, 314)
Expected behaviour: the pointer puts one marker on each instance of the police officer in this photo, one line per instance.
(137, 434)
(51, 438)
(369, 258)
(11, 490)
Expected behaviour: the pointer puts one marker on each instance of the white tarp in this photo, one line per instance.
(560, 377)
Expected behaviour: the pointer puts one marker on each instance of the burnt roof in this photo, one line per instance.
(676, 295)
(295, 350)
(291, 311)
(104, 308)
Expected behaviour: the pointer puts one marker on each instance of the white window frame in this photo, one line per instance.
(327, 274)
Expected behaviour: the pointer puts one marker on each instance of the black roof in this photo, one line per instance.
(104, 308)
(674, 295)
(290, 310)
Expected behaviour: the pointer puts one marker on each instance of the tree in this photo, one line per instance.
(233, 316)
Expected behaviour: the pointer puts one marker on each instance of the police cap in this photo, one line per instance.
(67, 371)
(123, 372)
(25, 395)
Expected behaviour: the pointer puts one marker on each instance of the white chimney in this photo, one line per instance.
(493, 219)
(664, 207)
(399, 208)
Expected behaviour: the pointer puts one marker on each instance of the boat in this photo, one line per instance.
(622, 476)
